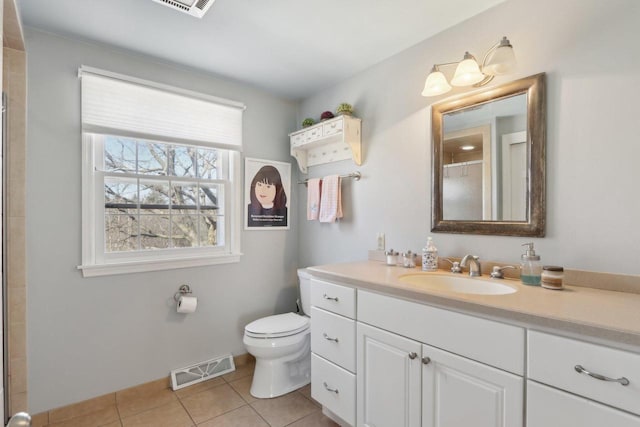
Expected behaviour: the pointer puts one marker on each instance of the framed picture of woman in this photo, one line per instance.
(267, 193)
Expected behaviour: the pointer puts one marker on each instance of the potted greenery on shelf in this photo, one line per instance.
(308, 122)
(344, 109)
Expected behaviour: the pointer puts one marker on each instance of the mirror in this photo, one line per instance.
(488, 161)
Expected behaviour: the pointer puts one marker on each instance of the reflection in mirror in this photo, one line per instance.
(485, 159)
(488, 161)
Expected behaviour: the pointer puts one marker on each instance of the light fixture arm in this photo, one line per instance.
(488, 78)
(502, 43)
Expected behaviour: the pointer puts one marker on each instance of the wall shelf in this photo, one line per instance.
(328, 141)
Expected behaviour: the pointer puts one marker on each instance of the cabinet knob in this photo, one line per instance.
(622, 380)
(426, 360)
(325, 296)
(413, 355)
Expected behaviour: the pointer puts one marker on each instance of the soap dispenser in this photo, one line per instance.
(430, 256)
(530, 267)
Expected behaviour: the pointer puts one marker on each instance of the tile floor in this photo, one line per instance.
(221, 402)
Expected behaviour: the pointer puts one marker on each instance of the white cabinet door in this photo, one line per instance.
(548, 407)
(460, 392)
(388, 380)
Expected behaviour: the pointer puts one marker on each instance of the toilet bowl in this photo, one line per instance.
(281, 345)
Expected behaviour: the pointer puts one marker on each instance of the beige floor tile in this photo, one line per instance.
(145, 389)
(82, 408)
(240, 372)
(284, 410)
(306, 392)
(113, 424)
(243, 387)
(40, 420)
(241, 417)
(316, 419)
(171, 415)
(243, 359)
(101, 417)
(197, 388)
(132, 405)
(211, 403)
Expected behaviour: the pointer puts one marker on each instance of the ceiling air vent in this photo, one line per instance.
(195, 8)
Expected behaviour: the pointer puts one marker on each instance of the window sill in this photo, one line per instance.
(142, 266)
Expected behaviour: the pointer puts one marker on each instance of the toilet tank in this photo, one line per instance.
(304, 279)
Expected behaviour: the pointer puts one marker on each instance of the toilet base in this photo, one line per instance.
(273, 378)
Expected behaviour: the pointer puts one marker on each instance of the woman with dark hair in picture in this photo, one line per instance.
(268, 207)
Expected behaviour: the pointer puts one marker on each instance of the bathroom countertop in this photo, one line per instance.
(609, 316)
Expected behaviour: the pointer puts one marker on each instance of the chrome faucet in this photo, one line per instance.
(474, 267)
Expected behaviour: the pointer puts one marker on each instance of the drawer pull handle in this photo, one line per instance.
(426, 360)
(325, 296)
(328, 338)
(622, 380)
(413, 355)
(332, 390)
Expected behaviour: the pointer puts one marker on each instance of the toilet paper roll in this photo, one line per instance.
(187, 304)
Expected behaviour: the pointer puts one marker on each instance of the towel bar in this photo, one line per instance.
(355, 175)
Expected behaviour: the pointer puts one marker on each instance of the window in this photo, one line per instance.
(160, 183)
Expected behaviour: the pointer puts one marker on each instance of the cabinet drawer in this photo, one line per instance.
(553, 361)
(332, 128)
(313, 134)
(334, 338)
(549, 407)
(334, 388)
(297, 139)
(335, 298)
(493, 343)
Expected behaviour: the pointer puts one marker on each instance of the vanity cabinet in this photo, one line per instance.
(401, 363)
(333, 349)
(332, 140)
(405, 382)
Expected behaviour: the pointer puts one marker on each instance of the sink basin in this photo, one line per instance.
(458, 284)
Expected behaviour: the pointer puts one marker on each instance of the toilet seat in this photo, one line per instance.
(277, 326)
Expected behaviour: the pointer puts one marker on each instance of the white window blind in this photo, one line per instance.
(121, 105)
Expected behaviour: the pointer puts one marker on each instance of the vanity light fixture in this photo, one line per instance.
(467, 147)
(499, 59)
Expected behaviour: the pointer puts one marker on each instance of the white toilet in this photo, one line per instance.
(281, 345)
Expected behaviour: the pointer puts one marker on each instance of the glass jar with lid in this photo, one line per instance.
(552, 277)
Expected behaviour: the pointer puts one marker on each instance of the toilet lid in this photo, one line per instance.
(278, 325)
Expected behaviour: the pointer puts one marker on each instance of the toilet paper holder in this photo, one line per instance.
(183, 290)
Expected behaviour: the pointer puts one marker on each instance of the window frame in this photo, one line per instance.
(97, 262)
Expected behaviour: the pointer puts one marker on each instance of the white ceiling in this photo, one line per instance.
(293, 48)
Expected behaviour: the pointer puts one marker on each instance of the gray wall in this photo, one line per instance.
(87, 337)
(588, 48)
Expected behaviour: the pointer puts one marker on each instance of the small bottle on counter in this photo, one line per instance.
(429, 256)
(552, 276)
(530, 268)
